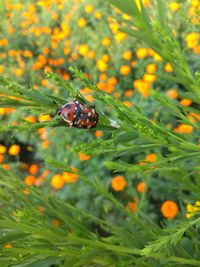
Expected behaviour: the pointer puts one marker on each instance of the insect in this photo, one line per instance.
(79, 115)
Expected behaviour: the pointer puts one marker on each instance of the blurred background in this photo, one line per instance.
(48, 36)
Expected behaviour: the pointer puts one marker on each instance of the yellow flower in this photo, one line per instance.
(151, 68)
(14, 150)
(101, 65)
(57, 181)
(83, 49)
(98, 15)
(120, 36)
(89, 8)
(1, 69)
(142, 52)
(44, 117)
(149, 78)
(105, 41)
(168, 67)
(2, 149)
(174, 6)
(125, 70)
(192, 39)
(127, 55)
(82, 22)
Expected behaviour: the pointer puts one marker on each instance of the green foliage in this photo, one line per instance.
(45, 230)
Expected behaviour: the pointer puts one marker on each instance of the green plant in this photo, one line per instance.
(135, 239)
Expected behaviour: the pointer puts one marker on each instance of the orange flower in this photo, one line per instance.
(57, 181)
(186, 102)
(105, 41)
(132, 206)
(98, 134)
(33, 169)
(172, 93)
(141, 187)
(14, 150)
(174, 6)
(118, 183)
(7, 246)
(169, 209)
(2, 149)
(127, 103)
(83, 156)
(128, 93)
(29, 180)
(125, 70)
(184, 128)
(70, 177)
(142, 87)
(1, 158)
(56, 222)
(151, 157)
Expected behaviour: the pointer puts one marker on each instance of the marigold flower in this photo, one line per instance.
(57, 181)
(118, 183)
(186, 102)
(44, 117)
(141, 187)
(105, 41)
(83, 49)
(184, 129)
(7, 246)
(14, 150)
(82, 22)
(151, 68)
(192, 39)
(142, 52)
(168, 67)
(125, 70)
(2, 69)
(89, 8)
(70, 177)
(33, 169)
(127, 55)
(29, 180)
(128, 93)
(174, 6)
(150, 157)
(2, 149)
(169, 209)
(191, 210)
(56, 222)
(83, 156)
(98, 15)
(120, 36)
(149, 78)
(172, 93)
(98, 134)
(127, 103)
(132, 206)
(1, 158)
(101, 65)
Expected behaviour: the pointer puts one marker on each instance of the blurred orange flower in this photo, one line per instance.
(118, 183)
(169, 209)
